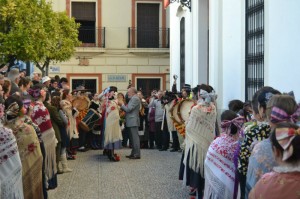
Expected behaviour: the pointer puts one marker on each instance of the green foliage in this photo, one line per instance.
(31, 31)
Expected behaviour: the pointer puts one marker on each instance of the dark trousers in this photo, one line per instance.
(82, 137)
(151, 139)
(242, 179)
(165, 136)
(175, 139)
(158, 135)
(125, 137)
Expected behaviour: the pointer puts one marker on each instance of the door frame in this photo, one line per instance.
(134, 77)
(97, 76)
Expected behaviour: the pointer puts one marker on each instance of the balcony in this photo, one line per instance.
(92, 37)
(148, 38)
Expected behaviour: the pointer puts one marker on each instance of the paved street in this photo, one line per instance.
(95, 177)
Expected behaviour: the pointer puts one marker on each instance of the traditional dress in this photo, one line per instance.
(261, 161)
(11, 186)
(112, 130)
(31, 158)
(199, 135)
(41, 117)
(252, 135)
(283, 183)
(220, 169)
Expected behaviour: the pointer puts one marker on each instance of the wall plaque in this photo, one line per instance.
(117, 78)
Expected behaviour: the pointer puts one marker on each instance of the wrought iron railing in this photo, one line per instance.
(254, 61)
(92, 37)
(148, 38)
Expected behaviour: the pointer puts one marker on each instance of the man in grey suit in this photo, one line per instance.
(132, 120)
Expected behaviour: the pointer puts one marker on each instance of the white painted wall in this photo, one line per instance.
(201, 41)
(282, 45)
(232, 48)
(116, 18)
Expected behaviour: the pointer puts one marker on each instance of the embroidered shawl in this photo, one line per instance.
(11, 185)
(112, 131)
(220, 170)
(31, 158)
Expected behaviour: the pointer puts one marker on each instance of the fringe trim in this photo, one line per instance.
(197, 156)
(49, 140)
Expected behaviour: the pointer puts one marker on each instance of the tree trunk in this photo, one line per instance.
(41, 68)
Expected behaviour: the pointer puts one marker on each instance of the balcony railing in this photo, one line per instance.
(148, 38)
(92, 37)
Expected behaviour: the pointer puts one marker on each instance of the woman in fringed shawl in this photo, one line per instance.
(280, 108)
(11, 186)
(221, 159)
(41, 117)
(71, 112)
(112, 137)
(29, 148)
(200, 129)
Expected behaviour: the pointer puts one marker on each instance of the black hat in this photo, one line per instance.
(113, 88)
(196, 89)
(187, 87)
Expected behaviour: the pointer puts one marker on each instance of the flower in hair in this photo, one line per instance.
(268, 96)
(285, 136)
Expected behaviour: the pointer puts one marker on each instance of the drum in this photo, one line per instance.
(184, 109)
(174, 110)
(81, 103)
(89, 120)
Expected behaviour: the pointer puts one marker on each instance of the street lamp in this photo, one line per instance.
(184, 3)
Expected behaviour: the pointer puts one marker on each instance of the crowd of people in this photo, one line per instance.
(253, 153)
(256, 154)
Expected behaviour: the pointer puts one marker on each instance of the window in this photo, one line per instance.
(146, 85)
(89, 84)
(182, 52)
(254, 47)
(85, 14)
(147, 25)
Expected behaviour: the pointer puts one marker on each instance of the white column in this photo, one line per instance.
(174, 44)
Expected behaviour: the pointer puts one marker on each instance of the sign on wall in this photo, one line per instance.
(54, 69)
(116, 78)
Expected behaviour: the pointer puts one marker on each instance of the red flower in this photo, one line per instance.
(31, 147)
(112, 108)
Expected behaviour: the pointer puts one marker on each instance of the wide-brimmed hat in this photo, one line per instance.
(46, 78)
(13, 74)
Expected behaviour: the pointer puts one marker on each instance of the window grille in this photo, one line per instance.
(254, 47)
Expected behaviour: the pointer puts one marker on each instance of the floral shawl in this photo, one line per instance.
(261, 161)
(220, 169)
(31, 157)
(11, 185)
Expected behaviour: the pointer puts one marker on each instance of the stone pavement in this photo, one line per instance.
(95, 177)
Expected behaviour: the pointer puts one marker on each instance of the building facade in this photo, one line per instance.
(236, 46)
(123, 42)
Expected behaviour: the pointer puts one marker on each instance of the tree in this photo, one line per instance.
(31, 31)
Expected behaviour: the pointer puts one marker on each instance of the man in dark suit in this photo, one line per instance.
(133, 121)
